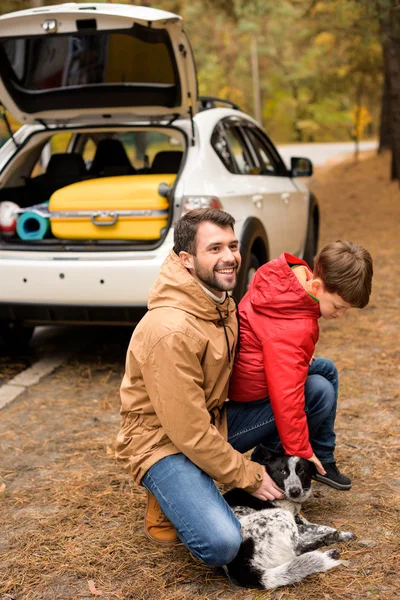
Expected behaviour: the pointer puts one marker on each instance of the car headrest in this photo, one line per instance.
(69, 163)
(110, 153)
(166, 162)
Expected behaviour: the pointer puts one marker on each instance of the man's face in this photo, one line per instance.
(217, 260)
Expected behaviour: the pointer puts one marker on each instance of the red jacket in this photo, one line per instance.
(278, 334)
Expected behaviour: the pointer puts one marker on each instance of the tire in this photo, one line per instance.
(251, 268)
(310, 245)
(14, 337)
(247, 271)
(254, 249)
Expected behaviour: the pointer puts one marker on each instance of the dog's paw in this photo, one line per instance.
(347, 536)
(333, 553)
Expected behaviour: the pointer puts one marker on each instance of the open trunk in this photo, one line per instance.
(73, 61)
(105, 190)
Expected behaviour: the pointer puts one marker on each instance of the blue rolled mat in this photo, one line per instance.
(32, 226)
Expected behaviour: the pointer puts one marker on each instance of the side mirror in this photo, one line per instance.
(300, 167)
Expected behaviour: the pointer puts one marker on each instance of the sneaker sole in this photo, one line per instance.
(160, 542)
(338, 486)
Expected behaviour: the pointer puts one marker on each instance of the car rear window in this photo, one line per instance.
(136, 66)
(54, 62)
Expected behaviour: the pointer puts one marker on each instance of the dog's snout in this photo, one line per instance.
(294, 492)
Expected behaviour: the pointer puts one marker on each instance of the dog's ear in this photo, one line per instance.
(264, 454)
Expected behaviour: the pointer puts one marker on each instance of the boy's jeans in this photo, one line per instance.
(190, 498)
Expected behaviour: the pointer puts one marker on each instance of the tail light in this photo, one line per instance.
(192, 202)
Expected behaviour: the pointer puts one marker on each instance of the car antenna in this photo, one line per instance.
(6, 121)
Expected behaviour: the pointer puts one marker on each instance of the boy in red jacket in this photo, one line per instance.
(275, 367)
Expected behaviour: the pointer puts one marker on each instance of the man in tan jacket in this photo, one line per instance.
(176, 434)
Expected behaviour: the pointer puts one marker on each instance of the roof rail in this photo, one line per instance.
(207, 102)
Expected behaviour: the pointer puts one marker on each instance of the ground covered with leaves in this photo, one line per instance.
(71, 522)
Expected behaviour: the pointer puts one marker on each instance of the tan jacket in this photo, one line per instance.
(176, 382)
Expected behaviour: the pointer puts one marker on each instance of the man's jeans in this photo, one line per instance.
(190, 498)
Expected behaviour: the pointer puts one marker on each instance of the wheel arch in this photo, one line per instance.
(253, 240)
(314, 215)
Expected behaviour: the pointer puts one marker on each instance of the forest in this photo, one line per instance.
(308, 70)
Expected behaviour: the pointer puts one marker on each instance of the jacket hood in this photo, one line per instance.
(275, 290)
(175, 287)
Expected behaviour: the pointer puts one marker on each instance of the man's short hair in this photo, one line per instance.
(346, 269)
(186, 228)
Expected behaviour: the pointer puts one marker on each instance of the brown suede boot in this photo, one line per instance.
(156, 525)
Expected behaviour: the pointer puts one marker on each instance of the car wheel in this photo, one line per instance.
(309, 248)
(14, 337)
(252, 266)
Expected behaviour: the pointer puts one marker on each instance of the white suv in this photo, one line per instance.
(113, 127)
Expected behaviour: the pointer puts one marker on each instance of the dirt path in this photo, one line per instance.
(70, 520)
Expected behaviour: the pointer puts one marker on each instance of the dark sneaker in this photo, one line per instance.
(333, 477)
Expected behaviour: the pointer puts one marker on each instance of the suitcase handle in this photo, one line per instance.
(113, 218)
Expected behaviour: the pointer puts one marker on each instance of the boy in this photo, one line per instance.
(278, 333)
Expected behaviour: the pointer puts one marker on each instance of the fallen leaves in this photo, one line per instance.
(93, 590)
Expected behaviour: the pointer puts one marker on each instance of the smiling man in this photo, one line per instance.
(176, 437)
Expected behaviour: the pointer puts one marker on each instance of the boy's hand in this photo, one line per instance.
(317, 464)
(268, 489)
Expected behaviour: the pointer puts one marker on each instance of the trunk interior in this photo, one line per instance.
(91, 189)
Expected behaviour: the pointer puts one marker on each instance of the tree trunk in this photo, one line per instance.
(391, 49)
(385, 131)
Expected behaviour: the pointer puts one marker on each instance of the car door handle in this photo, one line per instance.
(257, 200)
(285, 197)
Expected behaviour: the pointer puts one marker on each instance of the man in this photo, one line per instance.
(176, 436)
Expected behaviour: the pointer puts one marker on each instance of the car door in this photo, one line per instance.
(280, 198)
(242, 192)
(71, 62)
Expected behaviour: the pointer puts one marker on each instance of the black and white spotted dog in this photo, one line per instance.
(279, 546)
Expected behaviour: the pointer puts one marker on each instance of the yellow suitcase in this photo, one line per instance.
(126, 207)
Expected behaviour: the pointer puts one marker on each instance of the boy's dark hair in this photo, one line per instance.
(186, 228)
(346, 269)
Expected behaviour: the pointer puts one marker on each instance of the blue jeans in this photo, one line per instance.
(321, 394)
(191, 500)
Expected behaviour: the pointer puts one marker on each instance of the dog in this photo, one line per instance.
(279, 546)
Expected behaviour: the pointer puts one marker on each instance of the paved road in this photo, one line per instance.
(320, 153)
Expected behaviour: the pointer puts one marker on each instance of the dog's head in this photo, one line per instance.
(291, 473)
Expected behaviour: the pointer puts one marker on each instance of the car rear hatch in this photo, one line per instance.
(85, 62)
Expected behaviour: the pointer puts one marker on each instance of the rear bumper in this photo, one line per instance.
(42, 314)
(111, 288)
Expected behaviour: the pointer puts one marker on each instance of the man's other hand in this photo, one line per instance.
(317, 464)
(268, 489)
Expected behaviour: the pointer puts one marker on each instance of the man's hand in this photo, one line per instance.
(268, 489)
(317, 464)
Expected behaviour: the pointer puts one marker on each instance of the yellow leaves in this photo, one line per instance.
(343, 70)
(325, 39)
(361, 118)
(308, 126)
(323, 7)
(232, 93)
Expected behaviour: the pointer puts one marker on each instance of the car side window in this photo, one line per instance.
(239, 150)
(268, 165)
(220, 145)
